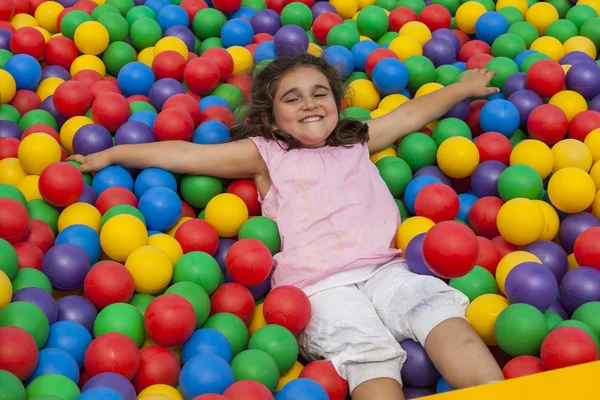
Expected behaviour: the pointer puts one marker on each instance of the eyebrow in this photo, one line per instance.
(296, 89)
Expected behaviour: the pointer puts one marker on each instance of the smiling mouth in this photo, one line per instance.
(312, 118)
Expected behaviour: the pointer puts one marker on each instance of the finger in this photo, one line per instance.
(493, 90)
(76, 157)
(87, 167)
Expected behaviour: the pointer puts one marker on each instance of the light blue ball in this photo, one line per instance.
(390, 76)
(302, 389)
(153, 177)
(71, 337)
(55, 361)
(265, 51)
(499, 116)
(339, 58)
(360, 52)
(161, 207)
(236, 32)
(113, 175)
(100, 393)
(135, 78)
(211, 132)
(84, 237)
(25, 70)
(205, 373)
(465, 201)
(206, 341)
(146, 116)
(490, 25)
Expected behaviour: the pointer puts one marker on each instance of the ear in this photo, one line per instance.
(268, 121)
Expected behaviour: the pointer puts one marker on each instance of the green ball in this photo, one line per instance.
(263, 229)
(389, 5)
(71, 22)
(233, 328)
(9, 262)
(343, 35)
(591, 30)
(11, 192)
(197, 44)
(450, 5)
(208, 22)
(356, 75)
(37, 117)
(121, 318)
(489, 5)
(552, 318)
(141, 106)
(476, 283)
(104, 9)
(141, 301)
(418, 150)
(197, 190)
(117, 27)
(197, 297)
(138, 12)
(518, 137)
(584, 327)
(256, 365)
(579, 14)
(588, 313)
(372, 22)
(352, 23)
(404, 213)
(416, 5)
(54, 385)
(450, 127)
(210, 43)
(122, 5)
(198, 267)
(122, 209)
(531, 59)
(117, 55)
(256, 5)
(396, 174)
(562, 30)
(9, 113)
(562, 6)
(230, 93)
(520, 180)
(144, 32)
(30, 277)
(5, 55)
(87, 176)
(512, 15)
(279, 343)
(387, 38)
(508, 45)
(504, 67)
(311, 37)
(520, 330)
(526, 31)
(11, 387)
(420, 71)
(356, 113)
(27, 316)
(447, 74)
(42, 211)
(297, 14)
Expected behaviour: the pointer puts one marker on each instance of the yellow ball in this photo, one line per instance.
(171, 43)
(5, 289)
(458, 157)
(520, 5)
(22, 20)
(362, 93)
(47, 14)
(88, 61)
(410, 228)
(345, 8)
(541, 15)
(571, 153)
(428, 88)
(551, 220)
(168, 244)
(11, 171)
(8, 87)
(387, 152)
(48, 86)
(361, 37)
(37, 151)
(596, 205)
(292, 374)
(121, 235)
(379, 112)
(406, 46)
(226, 212)
(571, 190)
(82, 214)
(258, 319)
(592, 141)
(571, 262)
(92, 37)
(509, 261)
(595, 174)
(155, 396)
(467, 15)
(595, 4)
(393, 101)
(315, 50)
(243, 61)
(534, 153)
(482, 314)
(99, 2)
(29, 187)
(416, 30)
(146, 56)
(520, 221)
(548, 45)
(70, 128)
(151, 269)
(580, 43)
(572, 103)
(165, 390)
(365, 3)
(566, 68)
(173, 230)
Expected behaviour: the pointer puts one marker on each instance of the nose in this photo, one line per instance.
(309, 103)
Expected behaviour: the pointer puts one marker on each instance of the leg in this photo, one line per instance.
(345, 329)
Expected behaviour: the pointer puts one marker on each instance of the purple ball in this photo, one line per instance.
(184, 34)
(447, 34)
(261, 289)
(551, 255)
(88, 196)
(290, 40)
(91, 138)
(513, 83)
(40, 298)
(77, 309)
(484, 180)
(433, 170)
(162, 90)
(595, 104)
(224, 245)
(55, 71)
(460, 110)
(133, 132)
(574, 225)
(5, 36)
(558, 308)
(415, 393)
(67, 3)
(584, 78)
(10, 129)
(439, 51)
(576, 57)
(418, 370)
(531, 283)
(579, 286)
(113, 381)
(526, 101)
(266, 21)
(48, 105)
(322, 7)
(66, 265)
(414, 256)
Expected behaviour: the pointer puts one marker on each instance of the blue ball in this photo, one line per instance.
(210, 101)
(146, 116)
(55, 361)
(460, 65)
(206, 341)
(161, 207)
(153, 177)
(71, 337)
(495, 96)
(360, 52)
(25, 70)
(500, 116)
(206, 373)
(265, 51)
(390, 76)
(465, 201)
(211, 132)
(339, 58)
(490, 25)
(100, 393)
(523, 55)
(84, 237)
(135, 78)
(154, 232)
(443, 386)
(172, 15)
(302, 389)
(113, 175)
(413, 189)
(236, 32)
(157, 5)
(243, 12)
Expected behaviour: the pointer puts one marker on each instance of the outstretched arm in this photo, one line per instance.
(416, 113)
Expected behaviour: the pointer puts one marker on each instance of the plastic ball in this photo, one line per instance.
(91, 38)
(522, 366)
(108, 283)
(571, 190)
(205, 373)
(249, 262)
(112, 352)
(524, 322)
(248, 389)
(170, 328)
(547, 123)
(584, 78)
(571, 153)
(457, 157)
(499, 116)
(197, 235)
(22, 362)
(38, 151)
(533, 284)
(303, 388)
(467, 15)
(121, 235)
(482, 314)
(151, 269)
(287, 306)
(72, 98)
(161, 207)
(111, 380)
(509, 262)
(567, 346)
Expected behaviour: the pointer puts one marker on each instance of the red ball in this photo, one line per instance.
(9, 148)
(72, 98)
(219, 113)
(251, 48)
(197, 235)
(210, 396)
(202, 75)
(587, 248)
(248, 390)
(227, 6)
(34, 4)
(478, 61)
(25, 101)
(112, 352)
(7, 10)
(173, 124)
(107, 283)
(435, 16)
(114, 196)
(111, 110)
(99, 88)
(583, 123)
(40, 235)
(323, 24)
(187, 210)
(88, 77)
(489, 256)
(62, 15)
(28, 40)
(222, 59)
(400, 16)
(246, 190)
(482, 216)
(18, 352)
(169, 64)
(235, 299)
(438, 202)
(14, 220)
(275, 5)
(61, 184)
(186, 103)
(192, 7)
(473, 48)
(547, 123)
(545, 77)
(29, 255)
(375, 56)
(21, 6)
(41, 128)
(324, 373)
(567, 346)
(522, 366)
(7, 26)
(461, 185)
(493, 146)
(138, 97)
(450, 249)
(157, 366)
(262, 37)
(287, 306)
(249, 262)
(87, 6)
(505, 247)
(463, 38)
(242, 82)
(169, 320)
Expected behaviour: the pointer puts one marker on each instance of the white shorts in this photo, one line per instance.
(359, 327)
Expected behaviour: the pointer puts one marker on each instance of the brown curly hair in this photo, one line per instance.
(258, 119)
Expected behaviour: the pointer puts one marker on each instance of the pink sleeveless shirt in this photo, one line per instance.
(333, 209)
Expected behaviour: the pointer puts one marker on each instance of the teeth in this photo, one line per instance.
(311, 119)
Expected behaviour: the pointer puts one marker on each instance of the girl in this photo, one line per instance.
(337, 222)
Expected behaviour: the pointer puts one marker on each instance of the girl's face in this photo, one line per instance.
(304, 107)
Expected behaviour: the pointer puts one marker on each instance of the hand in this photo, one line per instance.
(92, 162)
(477, 82)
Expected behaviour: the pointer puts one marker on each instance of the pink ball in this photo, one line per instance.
(287, 306)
